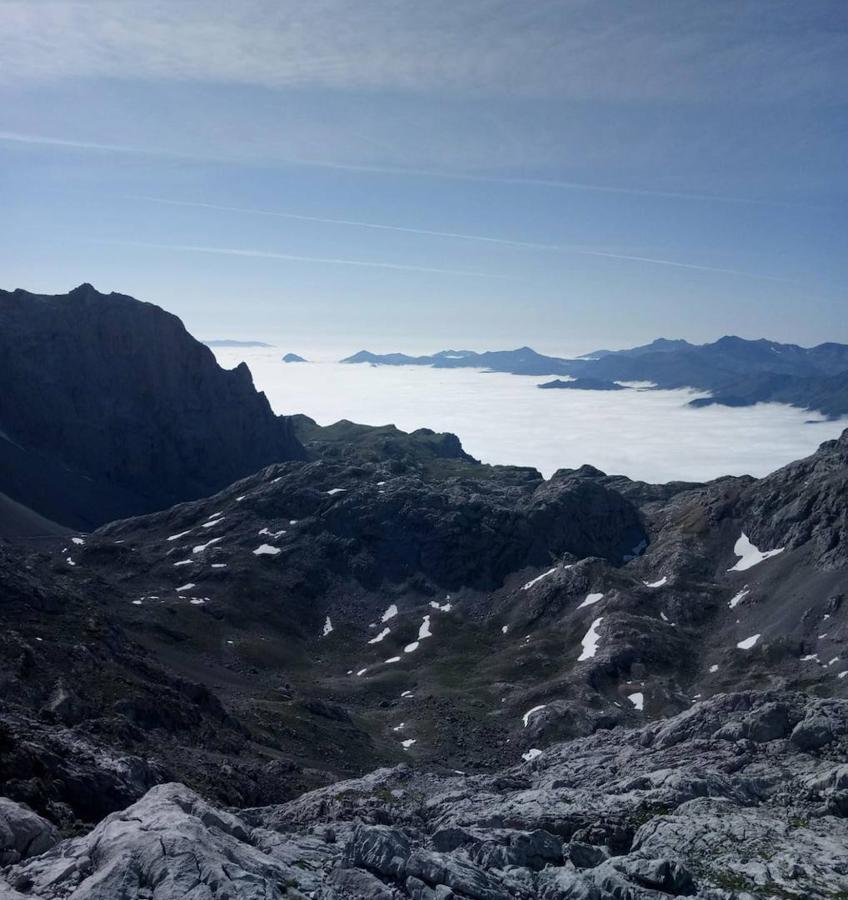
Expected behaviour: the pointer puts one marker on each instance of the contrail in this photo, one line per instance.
(404, 229)
(18, 137)
(291, 257)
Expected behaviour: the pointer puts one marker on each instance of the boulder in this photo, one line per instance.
(23, 833)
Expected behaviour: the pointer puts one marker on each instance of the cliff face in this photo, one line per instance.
(110, 408)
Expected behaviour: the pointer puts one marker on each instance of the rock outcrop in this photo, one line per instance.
(719, 803)
(110, 408)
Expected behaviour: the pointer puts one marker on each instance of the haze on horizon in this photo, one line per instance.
(567, 175)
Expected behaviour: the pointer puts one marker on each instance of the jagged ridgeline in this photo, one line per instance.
(361, 664)
(110, 408)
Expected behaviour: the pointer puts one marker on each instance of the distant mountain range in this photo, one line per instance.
(523, 361)
(737, 372)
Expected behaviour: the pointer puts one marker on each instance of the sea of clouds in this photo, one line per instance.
(645, 434)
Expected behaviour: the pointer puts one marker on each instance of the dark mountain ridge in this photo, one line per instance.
(110, 408)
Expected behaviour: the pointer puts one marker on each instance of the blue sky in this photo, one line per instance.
(404, 175)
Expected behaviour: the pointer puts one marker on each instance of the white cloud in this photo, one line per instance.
(573, 50)
(501, 418)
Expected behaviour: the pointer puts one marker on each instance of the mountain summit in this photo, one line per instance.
(110, 408)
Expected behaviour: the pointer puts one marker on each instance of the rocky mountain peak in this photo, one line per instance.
(131, 413)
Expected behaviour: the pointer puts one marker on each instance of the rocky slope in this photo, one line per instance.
(110, 408)
(744, 796)
(426, 608)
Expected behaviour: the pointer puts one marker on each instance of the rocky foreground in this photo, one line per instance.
(743, 796)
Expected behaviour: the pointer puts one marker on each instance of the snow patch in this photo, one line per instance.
(333, 491)
(638, 700)
(407, 743)
(735, 601)
(212, 522)
(201, 547)
(590, 641)
(266, 550)
(656, 584)
(185, 587)
(380, 636)
(328, 627)
(749, 555)
(530, 712)
(390, 613)
(531, 754)
(748, 643)
(591, 600)
(538, 578)
(176, 537)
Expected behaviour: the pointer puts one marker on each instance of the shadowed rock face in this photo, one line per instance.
(110, 408)
(723, 802)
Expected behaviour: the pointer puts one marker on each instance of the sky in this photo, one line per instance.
(414, 175)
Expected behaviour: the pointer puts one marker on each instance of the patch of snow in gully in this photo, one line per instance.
(590, 641)
(749, 555)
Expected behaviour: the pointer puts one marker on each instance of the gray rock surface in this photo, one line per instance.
(170, 844)
(683, 808)
(23, 833)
